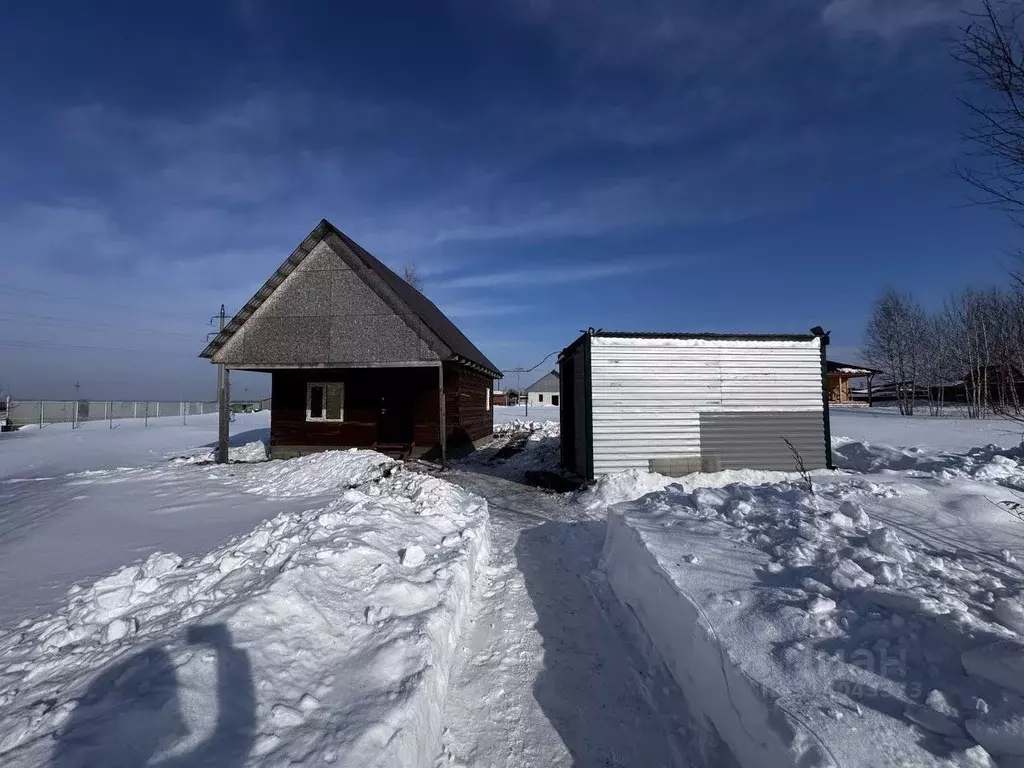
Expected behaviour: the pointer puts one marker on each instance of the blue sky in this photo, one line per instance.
(547, 165)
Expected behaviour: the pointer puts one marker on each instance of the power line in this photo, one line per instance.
(16, 317)
(24, 343)
(9, 289)
(528, 370)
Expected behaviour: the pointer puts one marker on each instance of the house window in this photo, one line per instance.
(540, 398)
(488, 398)
(554, 399)
(325, 401)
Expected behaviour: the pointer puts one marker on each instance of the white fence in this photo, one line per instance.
(23, 412)
(20, 413)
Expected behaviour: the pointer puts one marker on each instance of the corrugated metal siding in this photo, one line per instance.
(755, 439)
(648, 394)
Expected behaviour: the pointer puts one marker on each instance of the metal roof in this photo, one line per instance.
(546, 383)
(705, 336)
(463, 350)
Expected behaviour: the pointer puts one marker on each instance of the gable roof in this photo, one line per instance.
(418, 305)
(546, 383)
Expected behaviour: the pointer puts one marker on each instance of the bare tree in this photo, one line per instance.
(991, 50)
(412, 277)
(895, 341)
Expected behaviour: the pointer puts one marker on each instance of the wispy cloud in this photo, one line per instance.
(548, 275)
(482, 309)
(888, 18)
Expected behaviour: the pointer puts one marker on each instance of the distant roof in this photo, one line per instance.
(418, 304)
(850, 369)
(546, 383)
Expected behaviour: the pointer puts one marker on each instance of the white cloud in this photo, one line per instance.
(550, 275)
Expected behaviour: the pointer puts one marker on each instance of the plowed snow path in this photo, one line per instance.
(547, 678)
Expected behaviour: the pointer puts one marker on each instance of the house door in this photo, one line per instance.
(394, 415)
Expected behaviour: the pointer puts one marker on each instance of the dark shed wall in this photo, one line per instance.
(467, 414)
(411, 393)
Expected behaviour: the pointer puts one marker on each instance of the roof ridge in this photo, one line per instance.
(461, 348)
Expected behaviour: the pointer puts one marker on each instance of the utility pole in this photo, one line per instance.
(74, 413)
(224, 399)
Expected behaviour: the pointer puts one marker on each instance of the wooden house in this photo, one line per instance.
(839, 376)
(358, 357)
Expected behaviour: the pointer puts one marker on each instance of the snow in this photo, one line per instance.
(367, 614)
(950, 433)
(323, 636)
(506, 413)
(885, 599)
(57, 449)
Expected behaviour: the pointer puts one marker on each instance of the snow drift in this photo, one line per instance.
(796, 624)
(321, 637)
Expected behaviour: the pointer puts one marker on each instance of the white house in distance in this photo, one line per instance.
(544, 391)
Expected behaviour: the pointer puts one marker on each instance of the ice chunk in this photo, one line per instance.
(821, 605)
(1001, 662)
(887, 542)
(906, 602)
(1009, 613)
(412, 556)
(888, 573)
(930, 720)
(848, 575)
(1000, 732)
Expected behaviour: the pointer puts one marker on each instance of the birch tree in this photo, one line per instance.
(895, 342)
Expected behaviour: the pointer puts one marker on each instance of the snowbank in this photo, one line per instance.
(796, 625)
(632, 484)
(321, 637)
(249, 453)
(989, 462)
(520, 446)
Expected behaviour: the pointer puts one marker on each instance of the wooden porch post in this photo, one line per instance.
(442, 416)
(870, 399)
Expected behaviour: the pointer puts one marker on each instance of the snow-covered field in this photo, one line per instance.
(368, 614)
(326, 635)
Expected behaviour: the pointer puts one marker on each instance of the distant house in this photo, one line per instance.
(544, 391)
(358, 357)
(839, 376)
(676, 403)
(500, 397)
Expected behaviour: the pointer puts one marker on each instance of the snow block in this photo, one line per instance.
(758, 732)
(769, 703)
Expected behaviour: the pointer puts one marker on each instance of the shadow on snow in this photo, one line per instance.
(132, 712)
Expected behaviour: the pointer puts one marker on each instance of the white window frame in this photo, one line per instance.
(309, 400)
(488, 398)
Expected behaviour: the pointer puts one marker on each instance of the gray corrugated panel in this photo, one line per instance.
(754, 439)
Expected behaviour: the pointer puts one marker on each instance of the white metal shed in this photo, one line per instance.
(678, 402)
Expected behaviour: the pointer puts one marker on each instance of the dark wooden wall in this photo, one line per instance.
(364, 388)
(466, 405)
(413, 390)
